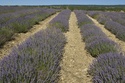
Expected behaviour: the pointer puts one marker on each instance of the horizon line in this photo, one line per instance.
(58, 4)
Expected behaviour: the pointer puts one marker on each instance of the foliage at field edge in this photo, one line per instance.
(91, 7)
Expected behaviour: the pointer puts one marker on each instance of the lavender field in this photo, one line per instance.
(73, 48)
(21, 21)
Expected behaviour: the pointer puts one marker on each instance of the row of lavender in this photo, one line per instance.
(24, 22)
(96, 41)
(7, 16)
(114, 16)
(36, 60)
(109, 65)
(82, 18)
(10, 9)
(61, 21)
(21, 21)
(113, 21)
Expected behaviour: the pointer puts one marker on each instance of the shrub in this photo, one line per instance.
(96, 41)
(5, 35)
(82, 18)
(116, 29)
(61, 20)
(94, 14)
(103, 19)
(101, 46)
(90, 30)
(19, 27)
(36, 60)
(108, 68)
(22, 21)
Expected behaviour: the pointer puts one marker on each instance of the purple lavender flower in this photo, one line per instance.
(108, 68)
(116, 29)
(21, 21)
(61, 20)
(96, 41)
(82, 18)
(36, 60)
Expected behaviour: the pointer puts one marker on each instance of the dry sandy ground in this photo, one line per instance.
(110, 35)
(19, 38)
(76, 59)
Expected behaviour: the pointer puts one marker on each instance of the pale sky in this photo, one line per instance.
(61, 2)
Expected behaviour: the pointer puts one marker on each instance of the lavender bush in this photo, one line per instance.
(90, 30)
(61, 20)
(82, 18)
(36, 60)
(94, 14)
(5, 17)
(116, 29)
(113, 21)
(102, 19)
(101, 46)
(5, 35)
(117, 17)
(22, 13)
(11, 9)
(24, 22)
(109, 65)
(119, 20)
(108, 68)
(114, 16)
(100, 16)
(96, 41)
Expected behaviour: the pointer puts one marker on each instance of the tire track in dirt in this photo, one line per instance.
(76, 59)
(21, 37)
(110, 35)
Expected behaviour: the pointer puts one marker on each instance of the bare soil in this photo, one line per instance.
(76, 59)
(110, 35)
(21, 37)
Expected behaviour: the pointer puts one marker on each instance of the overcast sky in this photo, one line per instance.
(62, 2)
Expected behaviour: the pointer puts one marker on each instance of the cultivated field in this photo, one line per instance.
(44, 45)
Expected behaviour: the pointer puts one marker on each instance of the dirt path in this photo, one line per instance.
(19, 38)
(110, 35)
(75, 59)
